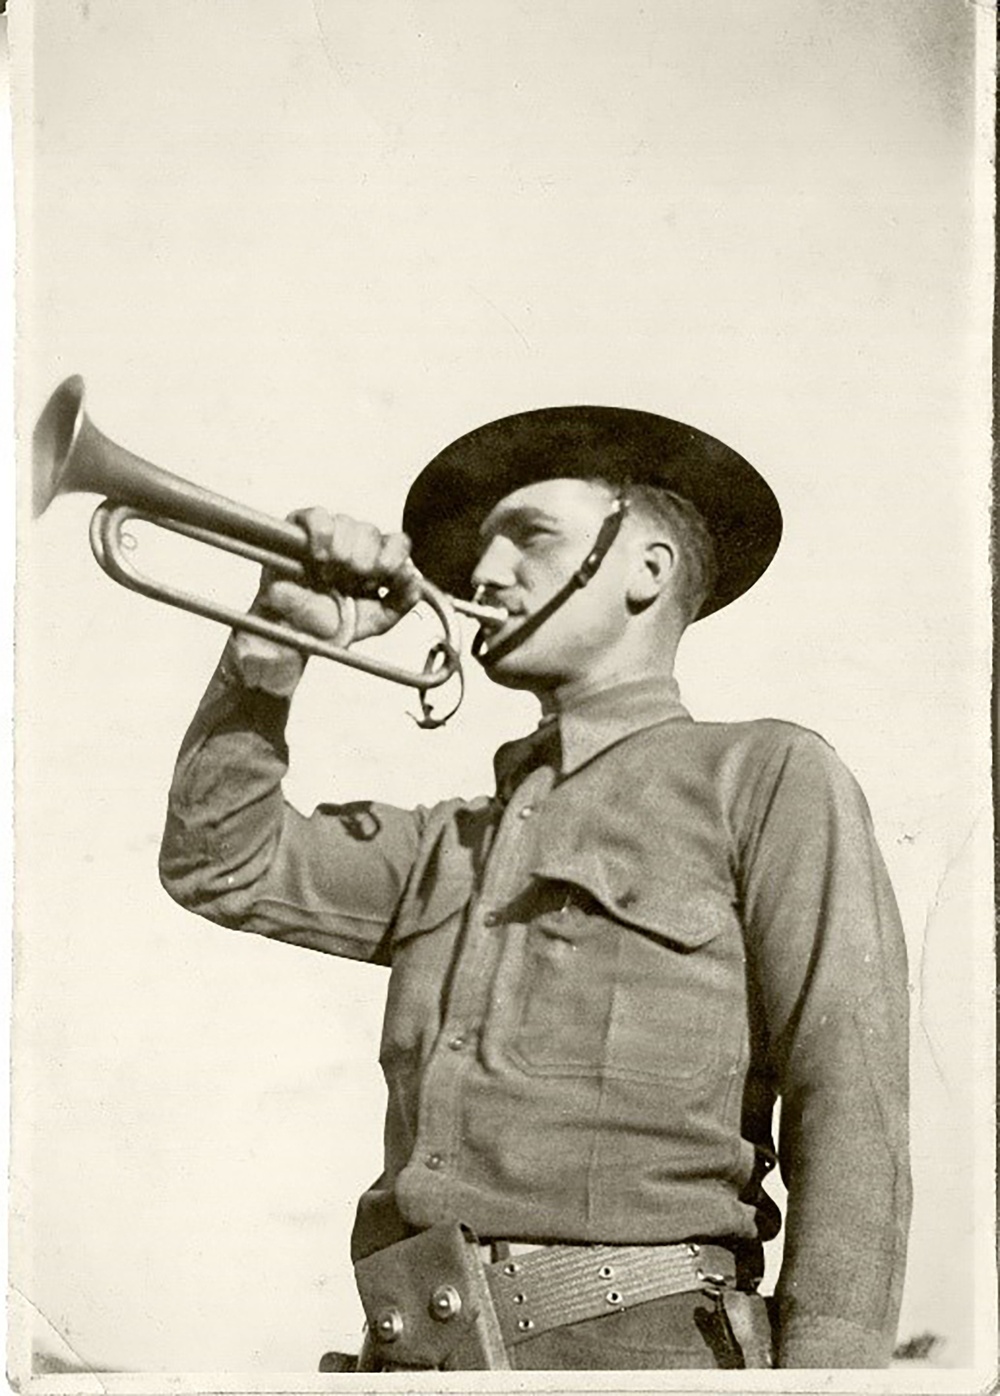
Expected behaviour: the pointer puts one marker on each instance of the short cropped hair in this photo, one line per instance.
(686, 527)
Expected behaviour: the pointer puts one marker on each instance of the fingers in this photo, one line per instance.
(303, 609)
(402, 578)
(394, 553)
(345, 550)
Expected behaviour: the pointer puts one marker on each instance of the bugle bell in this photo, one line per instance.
(70, 455)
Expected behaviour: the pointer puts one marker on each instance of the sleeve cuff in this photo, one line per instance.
(261, 665)
(821, 1340)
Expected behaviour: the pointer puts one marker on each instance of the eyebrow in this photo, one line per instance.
(515, 514)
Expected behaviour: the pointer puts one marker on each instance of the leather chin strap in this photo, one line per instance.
(602, 544)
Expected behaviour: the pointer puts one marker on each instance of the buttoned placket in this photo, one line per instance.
(457, 1044)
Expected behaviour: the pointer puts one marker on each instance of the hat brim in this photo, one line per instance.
(452, 495)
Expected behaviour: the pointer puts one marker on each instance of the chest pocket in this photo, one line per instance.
(635, 983)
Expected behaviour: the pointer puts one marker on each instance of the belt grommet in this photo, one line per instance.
(388, 1325)
(605, 1272)
(694, 1248)
(446, 1303)
(511, 1268)
(525, 1325)
(614, 1296)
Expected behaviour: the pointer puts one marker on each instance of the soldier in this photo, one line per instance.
(604, 975)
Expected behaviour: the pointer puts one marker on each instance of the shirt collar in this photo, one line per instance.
(592, 722)
(599, 718)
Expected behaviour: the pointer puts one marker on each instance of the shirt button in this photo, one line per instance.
(434, 1162)
(491, 918)
(457, 1042)
(526, 813)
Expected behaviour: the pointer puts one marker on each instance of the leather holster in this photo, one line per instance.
(428, 1305)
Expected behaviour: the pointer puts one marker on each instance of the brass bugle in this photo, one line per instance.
(71, 455)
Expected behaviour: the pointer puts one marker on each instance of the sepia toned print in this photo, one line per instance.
(644, 352)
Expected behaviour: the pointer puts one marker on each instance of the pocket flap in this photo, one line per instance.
(662, 903)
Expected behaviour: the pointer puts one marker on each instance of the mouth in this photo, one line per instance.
(492, 627)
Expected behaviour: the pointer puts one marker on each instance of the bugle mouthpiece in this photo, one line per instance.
(497, 614)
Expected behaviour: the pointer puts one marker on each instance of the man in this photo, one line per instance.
(603, 976)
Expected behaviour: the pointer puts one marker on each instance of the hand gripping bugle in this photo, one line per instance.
(70, 455)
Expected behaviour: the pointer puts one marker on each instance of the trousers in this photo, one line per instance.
(681, 1332)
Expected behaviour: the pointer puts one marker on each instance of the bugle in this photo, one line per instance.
(70, 455)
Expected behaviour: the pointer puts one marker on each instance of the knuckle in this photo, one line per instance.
(281, 594)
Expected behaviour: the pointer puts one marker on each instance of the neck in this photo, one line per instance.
(573, 689)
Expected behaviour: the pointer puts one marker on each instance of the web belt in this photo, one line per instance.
(556, 1285)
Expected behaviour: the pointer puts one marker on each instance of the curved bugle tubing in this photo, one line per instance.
(71, 455)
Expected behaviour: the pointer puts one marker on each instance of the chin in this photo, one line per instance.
(513, 672)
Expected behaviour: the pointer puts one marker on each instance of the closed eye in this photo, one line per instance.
(531, 533)
(524, 527)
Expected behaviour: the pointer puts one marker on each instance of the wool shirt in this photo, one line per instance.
(601, 980)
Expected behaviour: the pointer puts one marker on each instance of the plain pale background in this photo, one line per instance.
(295, 249)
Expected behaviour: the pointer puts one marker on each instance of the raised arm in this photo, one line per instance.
(233, 849)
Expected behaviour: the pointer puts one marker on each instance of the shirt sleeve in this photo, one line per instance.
(827, 950)
(236, 852)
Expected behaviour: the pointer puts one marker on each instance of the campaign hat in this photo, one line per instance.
(452, 495)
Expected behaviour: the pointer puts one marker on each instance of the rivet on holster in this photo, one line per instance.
(389, 1325)
(446, 1303)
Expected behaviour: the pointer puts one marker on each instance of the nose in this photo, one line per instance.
(495, 568)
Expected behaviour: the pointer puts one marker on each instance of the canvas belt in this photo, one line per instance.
(551, 1286)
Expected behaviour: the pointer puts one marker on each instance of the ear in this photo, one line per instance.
(652, 572)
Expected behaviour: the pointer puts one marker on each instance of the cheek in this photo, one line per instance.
(595, 619)
(545, 557)
(592, 614)
(548, 565)
(589, 620)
